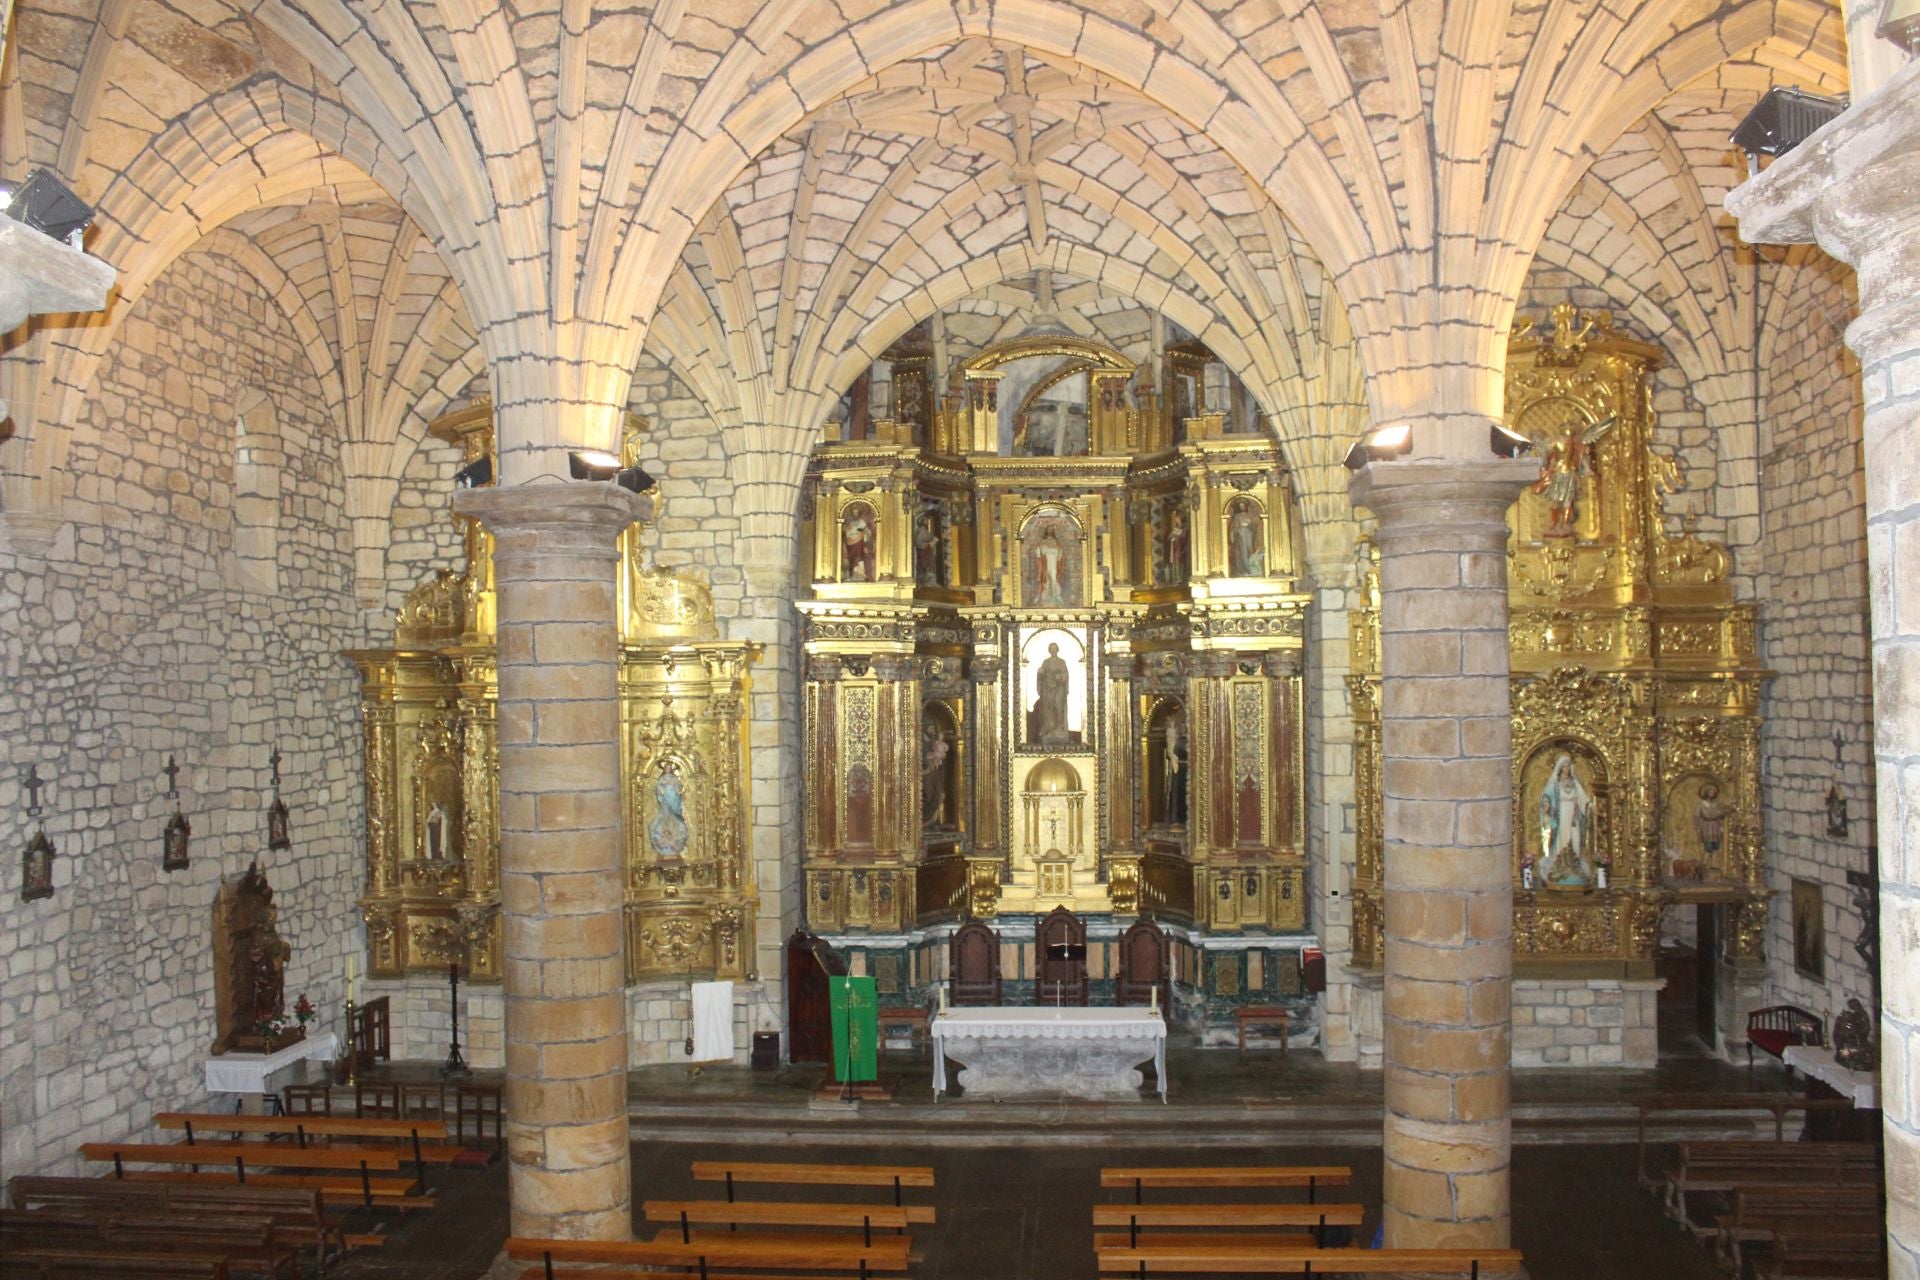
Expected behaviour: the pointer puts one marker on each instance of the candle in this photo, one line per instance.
(1153, 997)
(349, 978)
(943, 997)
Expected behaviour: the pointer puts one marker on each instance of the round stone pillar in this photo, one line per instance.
(562, 901)
(1447, 792)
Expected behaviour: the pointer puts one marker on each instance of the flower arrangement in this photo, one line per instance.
(303, 1009)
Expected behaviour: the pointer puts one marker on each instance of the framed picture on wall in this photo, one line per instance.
(1809, 931)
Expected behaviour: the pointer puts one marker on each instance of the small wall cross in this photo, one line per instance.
(274, 761)
(33, 785)
(173, 778)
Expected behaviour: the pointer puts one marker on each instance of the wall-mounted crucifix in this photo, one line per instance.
(273, 761)
(33, 783)
(173, 779)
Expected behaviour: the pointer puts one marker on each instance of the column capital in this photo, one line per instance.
(1410, 498)
(585, 516)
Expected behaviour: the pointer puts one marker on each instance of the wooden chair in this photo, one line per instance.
(975, 965)
(1060, 981)
(1777, 1027)
(376, 1100)
(482, 1102)
(307, 1100)
(373, 1032)
(423, 1098)
(1143, 965)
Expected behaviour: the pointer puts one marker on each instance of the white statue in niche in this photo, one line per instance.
(1566, 826)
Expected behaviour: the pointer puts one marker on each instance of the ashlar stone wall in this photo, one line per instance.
(136, 638)
(1818, 711)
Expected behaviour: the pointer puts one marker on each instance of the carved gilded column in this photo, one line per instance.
(1446, 738)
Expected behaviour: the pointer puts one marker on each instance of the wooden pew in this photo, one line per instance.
(1243, 1217)
(246, 1244)
(247, 1160)
(1228, 1258)
(817, 1255)
(27, 1264)
(1777, 1105)
(897, 1176)
(1756, 1212)
(299, 1214)
(1312, 1177)
(1827, 1257)
(427, 1137)
(1722, 1166)
(866, 1218)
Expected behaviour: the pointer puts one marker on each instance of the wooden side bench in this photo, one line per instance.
(785, 1213)
(1176, 1258)
(229, 1161)
(897, 1176)
(246, 1242)
(1722, 1166)
(1259, 1015)
(1312, 1177)
(1777, 1105)
(811, 1254)
(427, 1137)
(1315, 1217)
(300, 1214)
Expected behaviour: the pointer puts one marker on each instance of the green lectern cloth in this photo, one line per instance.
(856, 1029)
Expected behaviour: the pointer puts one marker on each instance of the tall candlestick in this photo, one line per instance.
(349, 979)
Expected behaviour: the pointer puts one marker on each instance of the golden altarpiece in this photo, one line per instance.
(1053, 640)
(1636, 686)
(432, 891)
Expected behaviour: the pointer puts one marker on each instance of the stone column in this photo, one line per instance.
(1854, 187)
(1448, 797)
(554, 560)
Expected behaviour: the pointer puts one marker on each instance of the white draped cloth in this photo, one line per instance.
(253, 1072)
(713, 1022)
(1086, 1053)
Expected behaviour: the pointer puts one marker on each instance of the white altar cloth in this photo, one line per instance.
(250, 1072)
(1863, 1087)
(1088, 1053)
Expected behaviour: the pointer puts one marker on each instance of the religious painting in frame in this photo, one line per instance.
(175, 843)
(36, 868)
(1809, 931)
(279, 835)
(1052, 574)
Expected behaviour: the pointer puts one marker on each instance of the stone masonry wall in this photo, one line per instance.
(136, 638)
(1597, 1023)
(1814, 626)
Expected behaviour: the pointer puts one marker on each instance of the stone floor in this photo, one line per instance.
(1016, 1181)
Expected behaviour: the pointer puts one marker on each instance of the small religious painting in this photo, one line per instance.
(929, 553)
(936, 768)
(1246, 540)
(1836, 813)
(1051, 573)
(1559, 802)
(1697, 813)
(1053, 688)
(1809, 931)
(174, 843)
(279, 825)
(667, 832)
(36, 868)
(859, 540)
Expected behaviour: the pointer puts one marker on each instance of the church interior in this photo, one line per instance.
(1372, 545)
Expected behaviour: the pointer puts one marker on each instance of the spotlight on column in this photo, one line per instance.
(1783, 120)
(44, 203)
(476, 474)
(595, 464)
(1380, 444)
(1507, 443)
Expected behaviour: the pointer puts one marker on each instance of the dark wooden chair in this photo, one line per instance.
(373, 1032)
(1144, 965)
(1777, 1027)
(1060, 981)
(307, 1100)
(975, 965)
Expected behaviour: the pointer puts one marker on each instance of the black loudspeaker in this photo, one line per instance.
(766, 1051)
(1313, 969)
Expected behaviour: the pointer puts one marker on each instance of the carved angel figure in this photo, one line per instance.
(1568, 456)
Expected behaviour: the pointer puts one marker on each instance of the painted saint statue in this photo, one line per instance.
(857, 544)
(667, 833)
(1246, 554)
(1050, 707)
(1566, 826)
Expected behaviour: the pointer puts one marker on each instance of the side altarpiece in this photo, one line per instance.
(431, 764)
(1636, 684)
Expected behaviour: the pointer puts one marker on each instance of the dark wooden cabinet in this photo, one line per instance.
(810, 962)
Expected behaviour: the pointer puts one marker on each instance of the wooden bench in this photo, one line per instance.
(897, 1176)
(246, 1242)
(1723, 1166)
(1315, 1217)
(428, 1138)
(1777, 1105)
(813, 1255)
(1258, 1015)
(1312, 1177)
(1828, 1257)
(1218, 1258)
(1777, 1027)
(230, 1161)
(108, 1264)
(785, 1213)
(1755, 1212)
(299, 1214)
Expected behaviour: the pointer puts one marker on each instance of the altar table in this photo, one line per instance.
(253, 1072)
(1863, 1087)
(1087, 1053)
